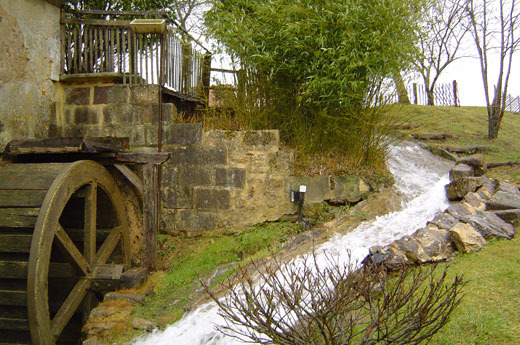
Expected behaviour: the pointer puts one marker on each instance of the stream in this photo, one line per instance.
(419, 176)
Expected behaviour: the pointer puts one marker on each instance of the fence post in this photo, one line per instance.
(415, 94)
(455, 93)
(206, 76)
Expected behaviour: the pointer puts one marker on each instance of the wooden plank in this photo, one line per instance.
(18, 217)
(15, 243)
(13, 297)
(14, 324)
(150, 216)
(69, 307)
(98, 22)
(89, 245)
(18, 270)
(17, 312)
(157, 13)
(29, 176)
(22, 197)
(143, 157)
(71, 252)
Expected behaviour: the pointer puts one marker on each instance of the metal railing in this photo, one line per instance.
(93, 46)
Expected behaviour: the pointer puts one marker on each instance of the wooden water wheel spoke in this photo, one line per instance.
(90, 223)
(108, 247)
(71, 252)
(69, 307)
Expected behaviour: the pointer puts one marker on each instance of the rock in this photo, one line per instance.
(475, 200)
(444, 221)
(436, 242)
(509, 216)
(390, 257)
(92, 341)
(347, 189)
(143, 324)
(132, 297)
(460, 210)
(459, 187)
(489, 225)
(412, 249)
(503, 201)
(508, 188)
(466, 238)
(431, 136)
(476, 162)
(461, 170)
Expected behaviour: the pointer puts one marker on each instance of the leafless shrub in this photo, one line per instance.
(312, 302)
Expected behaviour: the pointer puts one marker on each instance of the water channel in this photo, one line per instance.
(420, 178)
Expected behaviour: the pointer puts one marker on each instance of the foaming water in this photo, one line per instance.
(420, 177)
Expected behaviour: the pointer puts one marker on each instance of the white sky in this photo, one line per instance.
(466, 72)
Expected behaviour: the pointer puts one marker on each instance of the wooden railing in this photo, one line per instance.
(93, 46)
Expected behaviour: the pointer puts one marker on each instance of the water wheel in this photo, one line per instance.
(63, 235)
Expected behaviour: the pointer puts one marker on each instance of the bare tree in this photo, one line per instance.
(311, 303)
(439, 41)
(495, 30)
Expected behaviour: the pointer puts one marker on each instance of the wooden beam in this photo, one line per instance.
(15, 243)
(150, 216)
(71, 252)
(13, 297)
(142, 157)
(131, 177)
(18, 217)
(100, 22)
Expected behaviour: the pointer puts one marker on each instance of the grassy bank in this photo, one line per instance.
(468, 125)
(488, 313)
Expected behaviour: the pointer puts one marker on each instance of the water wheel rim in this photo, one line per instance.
(78, 174)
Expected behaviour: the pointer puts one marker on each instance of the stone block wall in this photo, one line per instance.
(100, 109)
(223, 179)
(214, 179)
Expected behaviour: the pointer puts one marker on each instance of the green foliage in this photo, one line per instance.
(314, 68)
(194, 259)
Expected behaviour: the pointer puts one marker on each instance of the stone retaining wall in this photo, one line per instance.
(214, 179)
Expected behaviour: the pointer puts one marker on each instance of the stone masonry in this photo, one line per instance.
(214, 179)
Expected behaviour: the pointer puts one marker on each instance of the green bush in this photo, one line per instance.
(315, 68)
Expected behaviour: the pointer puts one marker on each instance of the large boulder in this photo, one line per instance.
(489, 225)
(459, 187)
(475, 161)
(461, 210)
(503, 201)
(508, 188)
(435, 242)
(412, 249)
(488, 189)
(466, 238)
(444, 221)
(509, 216)
(390, 257)
(461, 170)
(475, 200)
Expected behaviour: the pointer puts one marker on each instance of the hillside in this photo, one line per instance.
(468, 125)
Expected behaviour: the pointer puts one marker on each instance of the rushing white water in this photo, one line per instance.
(420, 177)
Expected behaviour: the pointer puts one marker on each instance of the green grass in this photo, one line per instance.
(469, 126)
(194, 259)
(489, 312)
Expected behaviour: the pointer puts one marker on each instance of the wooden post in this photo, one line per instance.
(415, 93)
(206, 76)
(150, 215)
(455, 93)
